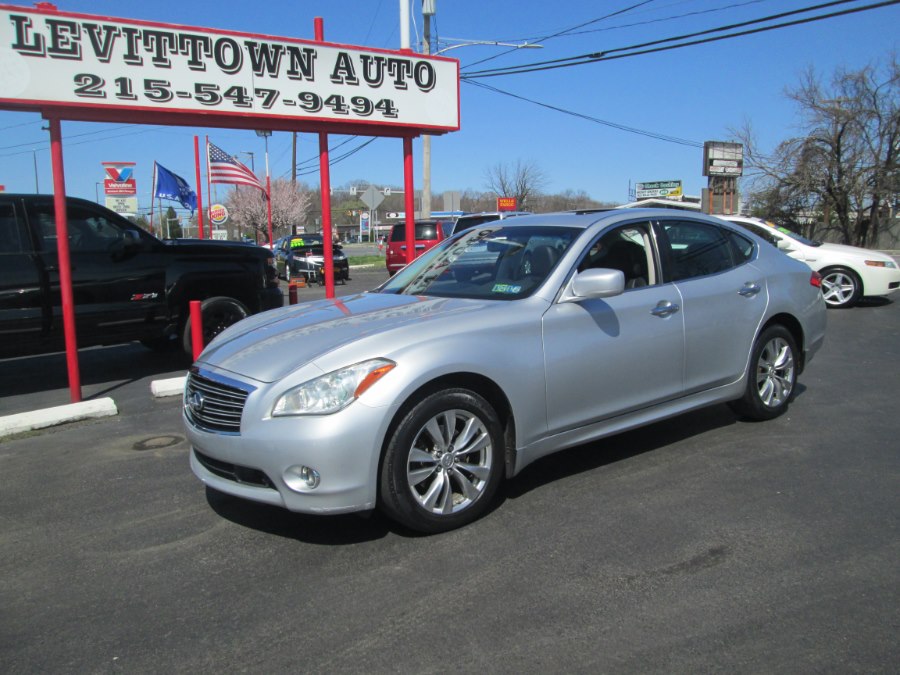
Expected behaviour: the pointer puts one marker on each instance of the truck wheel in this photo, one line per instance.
(218, 314)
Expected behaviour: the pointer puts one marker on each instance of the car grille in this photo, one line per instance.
(234, 472)
(213, 405)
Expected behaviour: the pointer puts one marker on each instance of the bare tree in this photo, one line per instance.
(290, 203)
(845, 166)
(521, 180)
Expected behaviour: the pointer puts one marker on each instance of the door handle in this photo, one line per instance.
(750, 289)
(664, 308)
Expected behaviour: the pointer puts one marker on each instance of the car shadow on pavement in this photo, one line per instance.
(340, 530)
(591, 456)
(114, 366)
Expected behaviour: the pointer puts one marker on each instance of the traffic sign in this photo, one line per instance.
(372, 198)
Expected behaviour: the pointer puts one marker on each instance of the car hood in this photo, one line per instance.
(854, 252)
(272, 344)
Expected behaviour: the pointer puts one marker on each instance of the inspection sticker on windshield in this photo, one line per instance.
(512, 289)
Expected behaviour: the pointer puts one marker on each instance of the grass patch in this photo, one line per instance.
(366, 260)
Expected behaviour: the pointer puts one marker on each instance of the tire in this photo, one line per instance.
(771, 376)
(218, 314)
(424, 482)
(841, 287)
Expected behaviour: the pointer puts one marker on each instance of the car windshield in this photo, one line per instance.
(797, 237)
(495, 263)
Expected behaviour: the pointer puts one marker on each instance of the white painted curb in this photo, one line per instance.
(49, 417)
(171, 387)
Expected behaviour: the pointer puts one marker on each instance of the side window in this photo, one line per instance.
(697, 249)
(742, 247)
(12, 238)
(627, 249)
(89, 232)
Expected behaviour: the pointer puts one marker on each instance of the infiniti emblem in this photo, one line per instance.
(195, 402)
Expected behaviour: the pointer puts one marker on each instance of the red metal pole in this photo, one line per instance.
(409, 199)
(199, 191)
(65, 268)
(325, 189)
(196, 328)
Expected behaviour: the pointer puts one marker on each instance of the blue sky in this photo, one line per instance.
(695, 93)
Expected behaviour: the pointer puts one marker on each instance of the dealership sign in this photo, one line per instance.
(57, 59)
(721, 158)
(670, 189)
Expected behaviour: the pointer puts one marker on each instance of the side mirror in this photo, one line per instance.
(596, 283)
(784, 245)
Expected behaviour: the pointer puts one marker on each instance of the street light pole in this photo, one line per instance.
(265, 133)
(428, 10)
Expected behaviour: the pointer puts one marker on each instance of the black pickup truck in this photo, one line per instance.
(127, 284)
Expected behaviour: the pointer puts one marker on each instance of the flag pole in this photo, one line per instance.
(199, 191)
(152, 197)
(209, 194)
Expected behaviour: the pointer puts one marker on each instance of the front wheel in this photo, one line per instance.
(772, 378)
(443, 462)
(217, 314)
(841, 287)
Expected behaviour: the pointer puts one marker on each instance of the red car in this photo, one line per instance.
(428, 234)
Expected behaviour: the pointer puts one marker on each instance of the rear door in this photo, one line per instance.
(24, 315)
(724, 298)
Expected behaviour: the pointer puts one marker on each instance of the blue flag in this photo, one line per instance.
(174, 187)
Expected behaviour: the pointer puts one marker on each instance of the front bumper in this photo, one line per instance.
(264, 461)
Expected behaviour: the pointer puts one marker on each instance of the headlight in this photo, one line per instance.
(333, 391)
(882, 263)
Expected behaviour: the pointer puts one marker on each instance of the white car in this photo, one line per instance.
(848, 272)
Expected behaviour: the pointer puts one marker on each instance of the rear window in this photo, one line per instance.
(465, 222)
(423, 231)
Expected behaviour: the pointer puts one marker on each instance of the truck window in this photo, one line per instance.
(12, 239)
(89, 232)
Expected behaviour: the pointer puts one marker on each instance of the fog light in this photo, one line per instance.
(302, 478)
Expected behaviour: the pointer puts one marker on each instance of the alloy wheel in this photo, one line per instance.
(449, 463)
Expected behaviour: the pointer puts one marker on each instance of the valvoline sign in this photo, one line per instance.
(119, 179)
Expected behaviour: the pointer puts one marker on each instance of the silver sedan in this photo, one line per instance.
(505, 343)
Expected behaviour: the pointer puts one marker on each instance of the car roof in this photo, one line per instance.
(587, 218)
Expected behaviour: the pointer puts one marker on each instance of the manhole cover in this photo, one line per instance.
(157, 442)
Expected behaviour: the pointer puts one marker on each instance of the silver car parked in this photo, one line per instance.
(421, 396)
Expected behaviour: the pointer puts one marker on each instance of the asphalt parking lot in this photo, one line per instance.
(699, 544)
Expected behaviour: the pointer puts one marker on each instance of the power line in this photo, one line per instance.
(596, 120)
(567, 30)
(612, 54)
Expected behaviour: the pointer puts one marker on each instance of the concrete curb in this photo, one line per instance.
(49, 417)
(171, 387)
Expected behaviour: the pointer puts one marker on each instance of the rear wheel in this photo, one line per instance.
(841, 287)
(217, 314)
(772, 377)
(443, 463)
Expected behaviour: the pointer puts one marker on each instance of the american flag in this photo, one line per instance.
(223, 168)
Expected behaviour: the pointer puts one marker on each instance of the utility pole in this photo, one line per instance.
(429, 7)
(294, 160)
